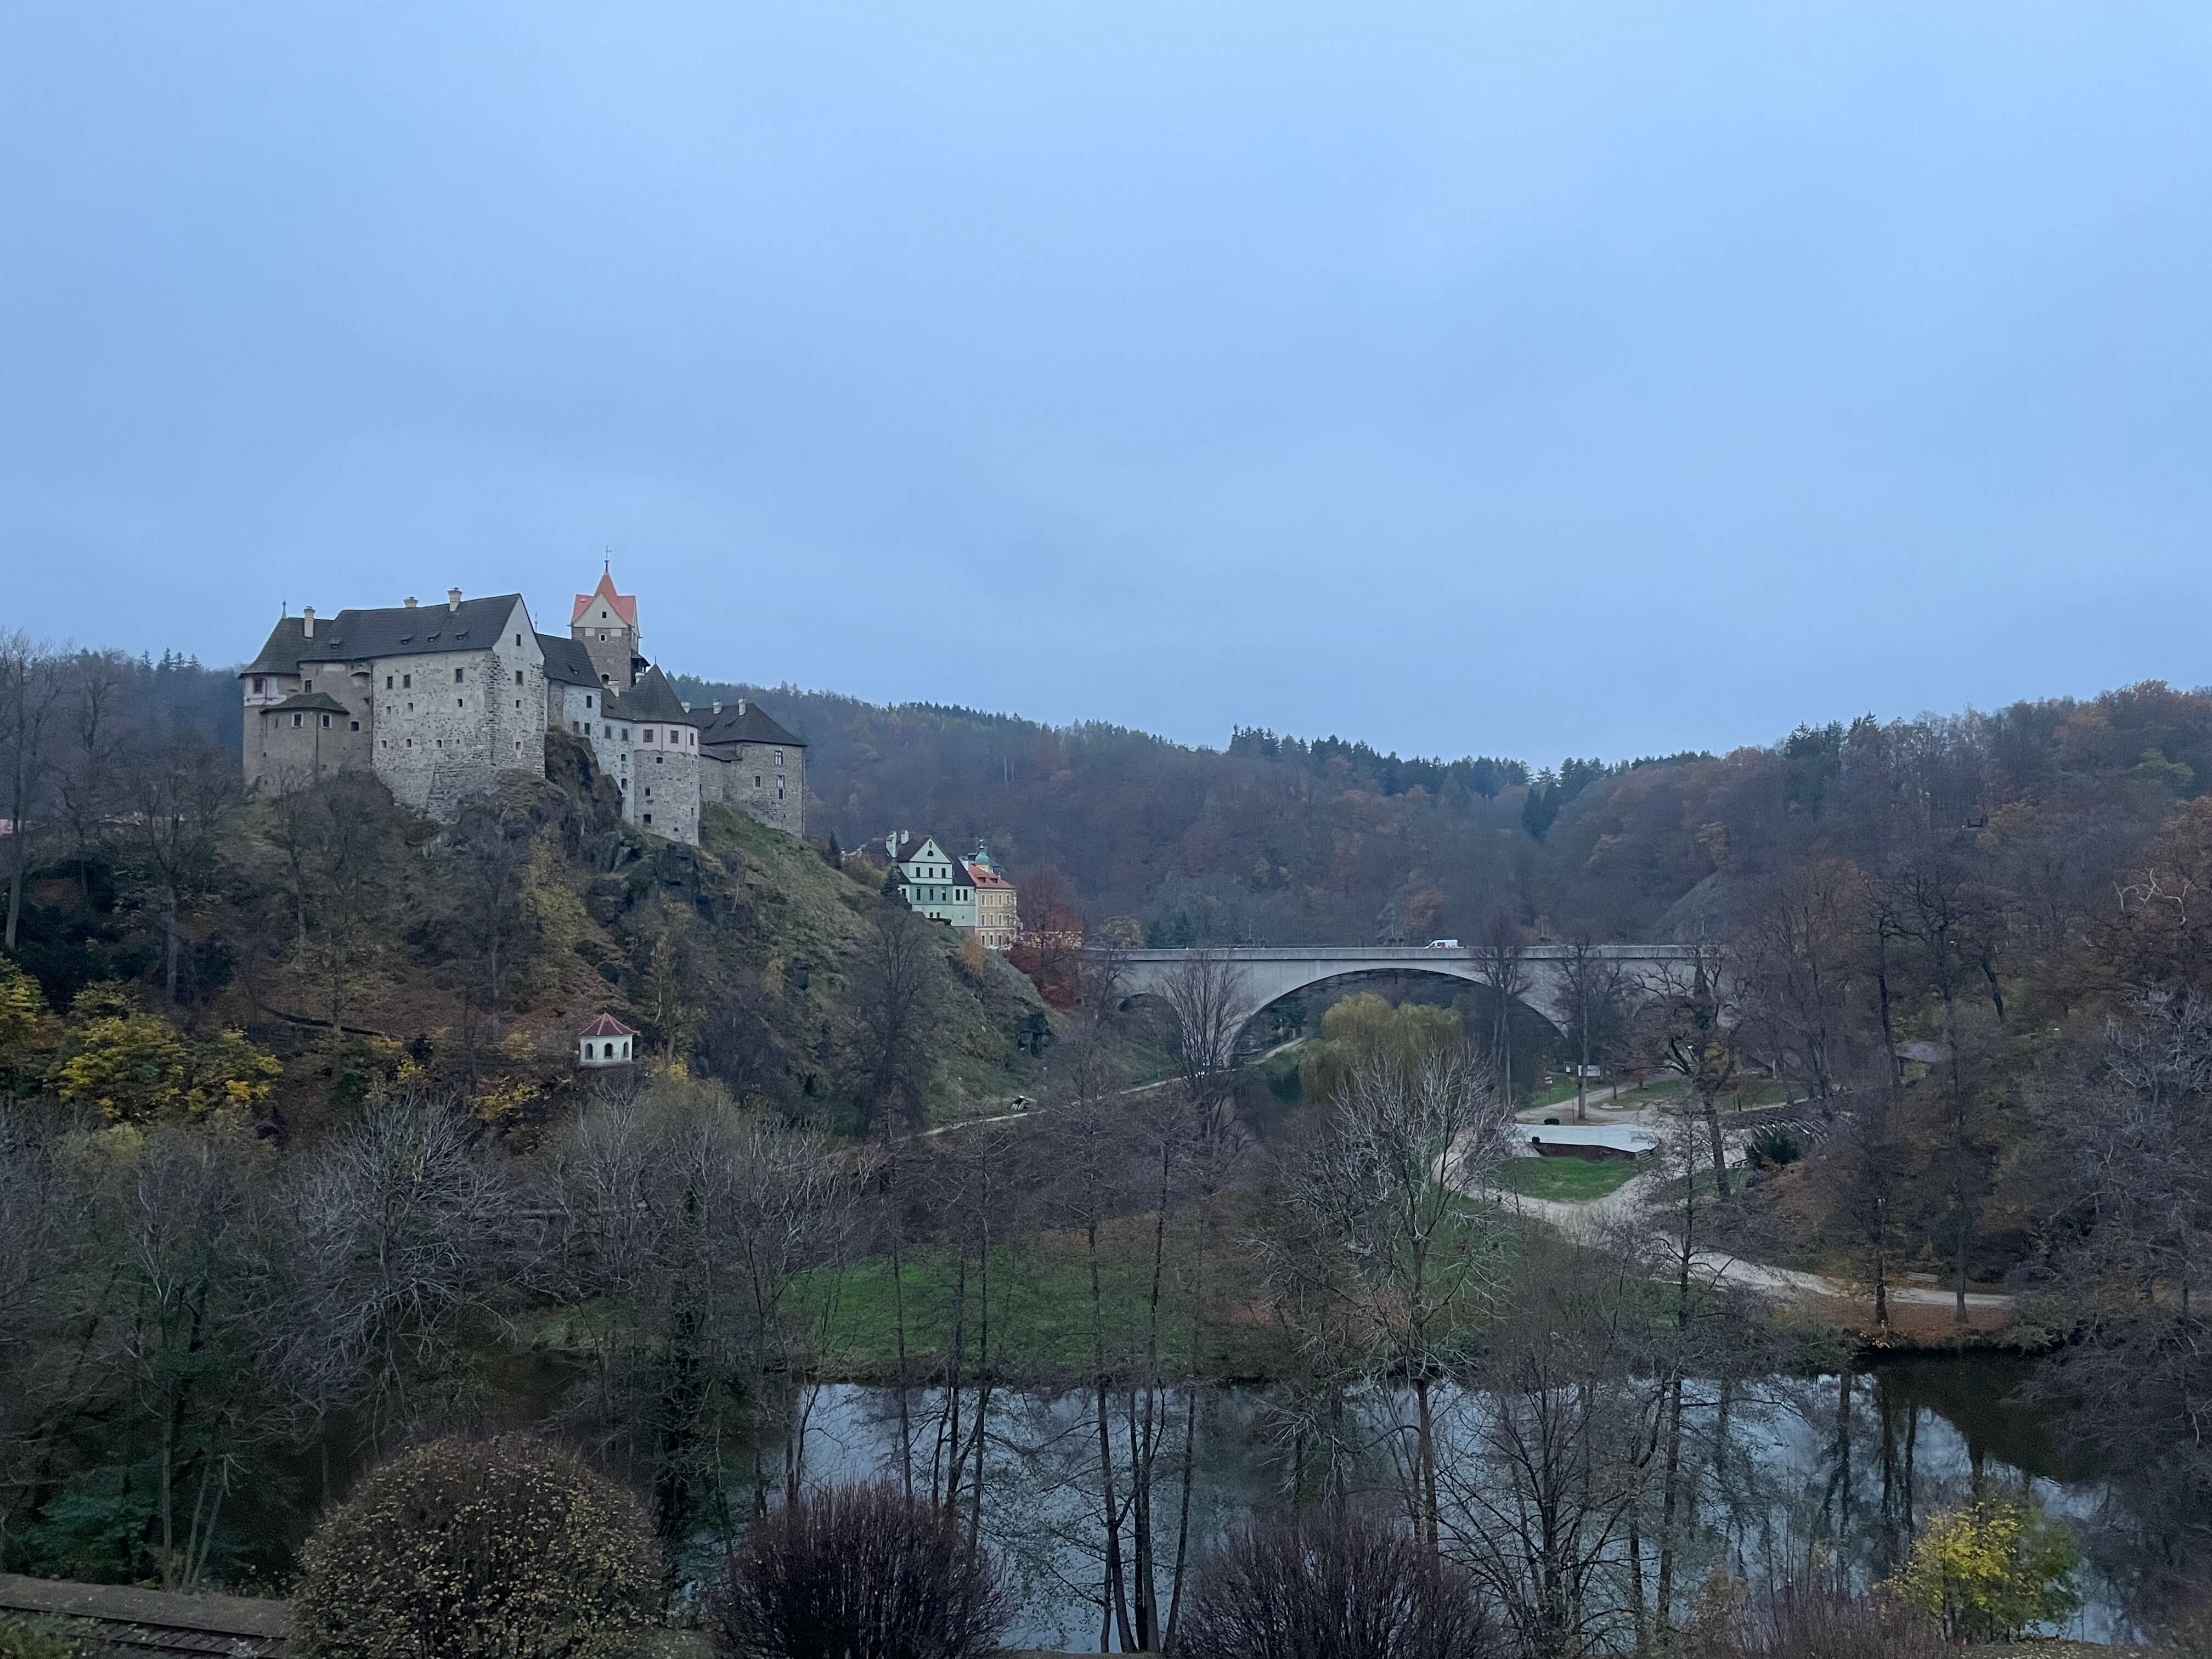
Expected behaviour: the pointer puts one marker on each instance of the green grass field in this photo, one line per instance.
(1568, 1180)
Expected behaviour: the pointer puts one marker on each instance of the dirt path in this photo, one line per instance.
(1626, 1207)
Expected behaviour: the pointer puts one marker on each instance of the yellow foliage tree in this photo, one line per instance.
(25, 1024)
(135, 1067)
(1364, 1027)
(1987, 1572)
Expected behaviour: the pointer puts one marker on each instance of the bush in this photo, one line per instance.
(19, 1640)
(1987, 1572)
(860, 1572)
(1822, 1619)
(1325, 1587)
(466, 1548)
(1772, 1147)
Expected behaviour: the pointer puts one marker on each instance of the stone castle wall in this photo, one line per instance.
(745, 775)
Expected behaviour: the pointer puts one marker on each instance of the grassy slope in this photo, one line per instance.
(1571, 1180)
(805, 911)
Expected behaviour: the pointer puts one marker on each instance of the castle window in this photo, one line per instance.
(457, 673)
(406, 681)
(411, 742)
(648, 817)
(625, 734)
(755, 780)
(587, 700)
(357, 725)
(295, 720)
(648, 734)
(779, 788)
(657, 759)
(778, 757)
(518, 639)
(259, 685)
(388, 681)
(518, 672)
(326, 722)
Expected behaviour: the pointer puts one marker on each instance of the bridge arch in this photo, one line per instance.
(1264, 974)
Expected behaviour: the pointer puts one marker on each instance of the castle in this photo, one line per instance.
(441, 703)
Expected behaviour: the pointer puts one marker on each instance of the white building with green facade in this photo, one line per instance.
(930, 880)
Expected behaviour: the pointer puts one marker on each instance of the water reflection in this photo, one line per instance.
(1778, 1471)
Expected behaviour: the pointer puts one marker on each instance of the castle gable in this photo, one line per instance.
(604, 607)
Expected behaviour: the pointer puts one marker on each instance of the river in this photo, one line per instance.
(1853, 1465)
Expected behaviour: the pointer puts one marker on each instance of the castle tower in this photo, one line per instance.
(605, 623)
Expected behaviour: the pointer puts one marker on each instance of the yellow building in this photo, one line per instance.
(998, 919)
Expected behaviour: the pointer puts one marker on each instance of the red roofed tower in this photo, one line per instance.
(605, 622)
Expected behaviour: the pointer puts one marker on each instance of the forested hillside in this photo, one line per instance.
(1273, 839)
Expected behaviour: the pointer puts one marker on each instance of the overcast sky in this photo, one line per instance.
(1535, 379)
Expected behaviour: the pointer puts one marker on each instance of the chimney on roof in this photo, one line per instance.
(411, 601)
(741, 705)
(452, 599)
(717, 706)
(307, 620)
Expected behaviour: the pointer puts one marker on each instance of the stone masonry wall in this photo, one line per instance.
(745, 775)
(448, 724)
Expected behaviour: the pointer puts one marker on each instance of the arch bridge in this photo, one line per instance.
(1261, 975)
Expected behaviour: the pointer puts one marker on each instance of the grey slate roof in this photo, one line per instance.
(321, 703)
(400, 631)
(653, 698)
(567, 662)
(753, 725)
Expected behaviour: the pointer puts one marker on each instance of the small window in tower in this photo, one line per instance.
(518, 672)
(648, 734)
(388, 681)
(587, 700)
(518, 639)
(755, 780)
(625, 734)
(457, 673)
(357, 725)
(306, 685)
(326, 722)
(258, 684)
(778, 757)
(406, 681)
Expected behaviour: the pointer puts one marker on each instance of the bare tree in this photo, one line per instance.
(488, 849)
(1208, 1008)
(1796, 959)
(1687, 1026)
(30, 689)
(1597, 1002)
(1501, 965)
(88, 782)
(1421, 1265)
(184, 792)
(898, 984)
(395, 1240)
(695, 1224)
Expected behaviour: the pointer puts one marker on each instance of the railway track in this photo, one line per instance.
(113, 1621)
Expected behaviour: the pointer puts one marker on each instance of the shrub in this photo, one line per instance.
(1772, 1147)
(1987, 1572)
(1823, 1618)
(20, 1640)
(1326, 1587)
(466, 1548)
(860, 1572)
